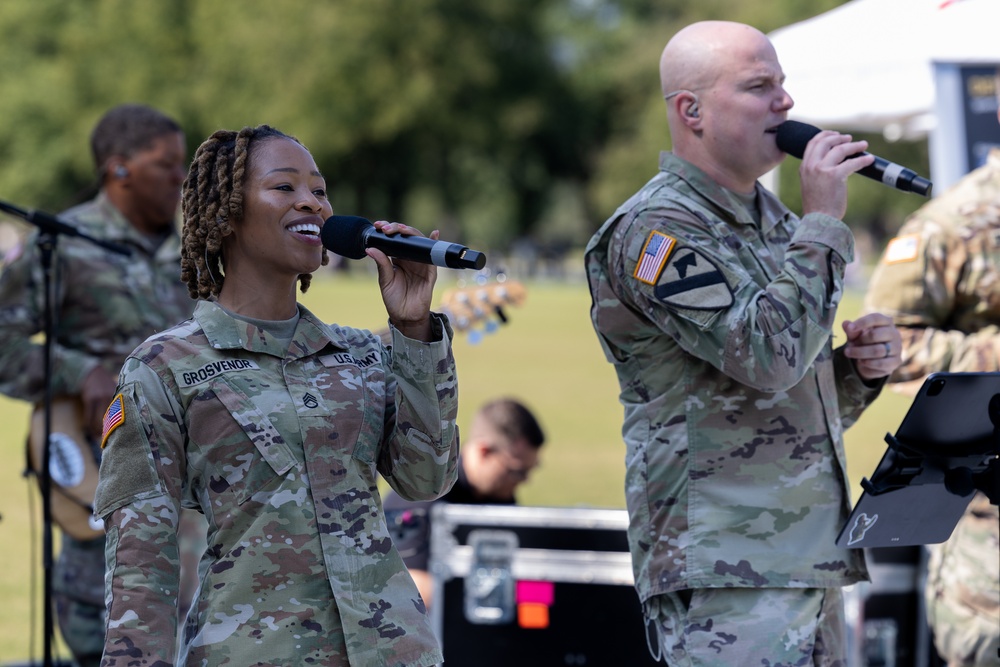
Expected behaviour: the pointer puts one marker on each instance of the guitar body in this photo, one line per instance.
(72, 468)
(468, 307)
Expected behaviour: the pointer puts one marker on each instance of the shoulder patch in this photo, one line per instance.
(654, 255)
(114, 417)
(691, 280)
(902, 249)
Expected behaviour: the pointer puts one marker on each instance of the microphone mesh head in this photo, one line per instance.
(792, 137)
(345, 235)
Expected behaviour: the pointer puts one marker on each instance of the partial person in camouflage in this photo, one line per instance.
(105, 305)
(939, 279)
(716, 306)
(275, 425)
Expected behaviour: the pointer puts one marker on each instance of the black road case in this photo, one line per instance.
(534, 586)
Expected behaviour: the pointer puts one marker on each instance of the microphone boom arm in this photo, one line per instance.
(50, 224)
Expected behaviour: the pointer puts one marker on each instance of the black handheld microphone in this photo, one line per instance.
(793, 136)
(350, 235)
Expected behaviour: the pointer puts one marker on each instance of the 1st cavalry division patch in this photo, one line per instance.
(691, 281)
(654, 255)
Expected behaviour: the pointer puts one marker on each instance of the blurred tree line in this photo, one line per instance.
(490, 120)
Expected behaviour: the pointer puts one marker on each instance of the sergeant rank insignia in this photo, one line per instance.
(691, 281)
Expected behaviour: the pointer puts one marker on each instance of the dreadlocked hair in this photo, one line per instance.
(212, 201)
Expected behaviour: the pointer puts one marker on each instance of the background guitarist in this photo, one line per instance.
(105, 304)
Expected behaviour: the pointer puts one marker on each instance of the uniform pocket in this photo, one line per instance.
(243, 470)
(357, 416)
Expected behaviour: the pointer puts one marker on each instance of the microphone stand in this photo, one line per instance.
(50, 229)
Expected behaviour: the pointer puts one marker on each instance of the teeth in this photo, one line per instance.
(305, 228)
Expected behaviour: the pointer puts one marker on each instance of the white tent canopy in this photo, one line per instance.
(868, 65)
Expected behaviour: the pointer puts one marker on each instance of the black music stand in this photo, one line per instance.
(946, 449)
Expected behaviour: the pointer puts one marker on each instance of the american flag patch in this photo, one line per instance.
(113, 418)
(654, 256)
(902, 249)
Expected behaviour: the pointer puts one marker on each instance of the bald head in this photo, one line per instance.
(725, 96)
(695, 57)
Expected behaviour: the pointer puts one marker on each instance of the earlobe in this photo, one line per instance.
(120, 171)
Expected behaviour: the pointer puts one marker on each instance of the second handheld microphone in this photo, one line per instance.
(350, 235)
(793, 136)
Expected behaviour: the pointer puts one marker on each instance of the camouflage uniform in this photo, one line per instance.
(279, 446)
(735, 402)
(106, 304)
(940, 281)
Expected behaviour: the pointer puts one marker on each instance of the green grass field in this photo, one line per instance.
(546, 355)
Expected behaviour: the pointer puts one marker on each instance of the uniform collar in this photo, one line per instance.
(227, 333)
(771, 209)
